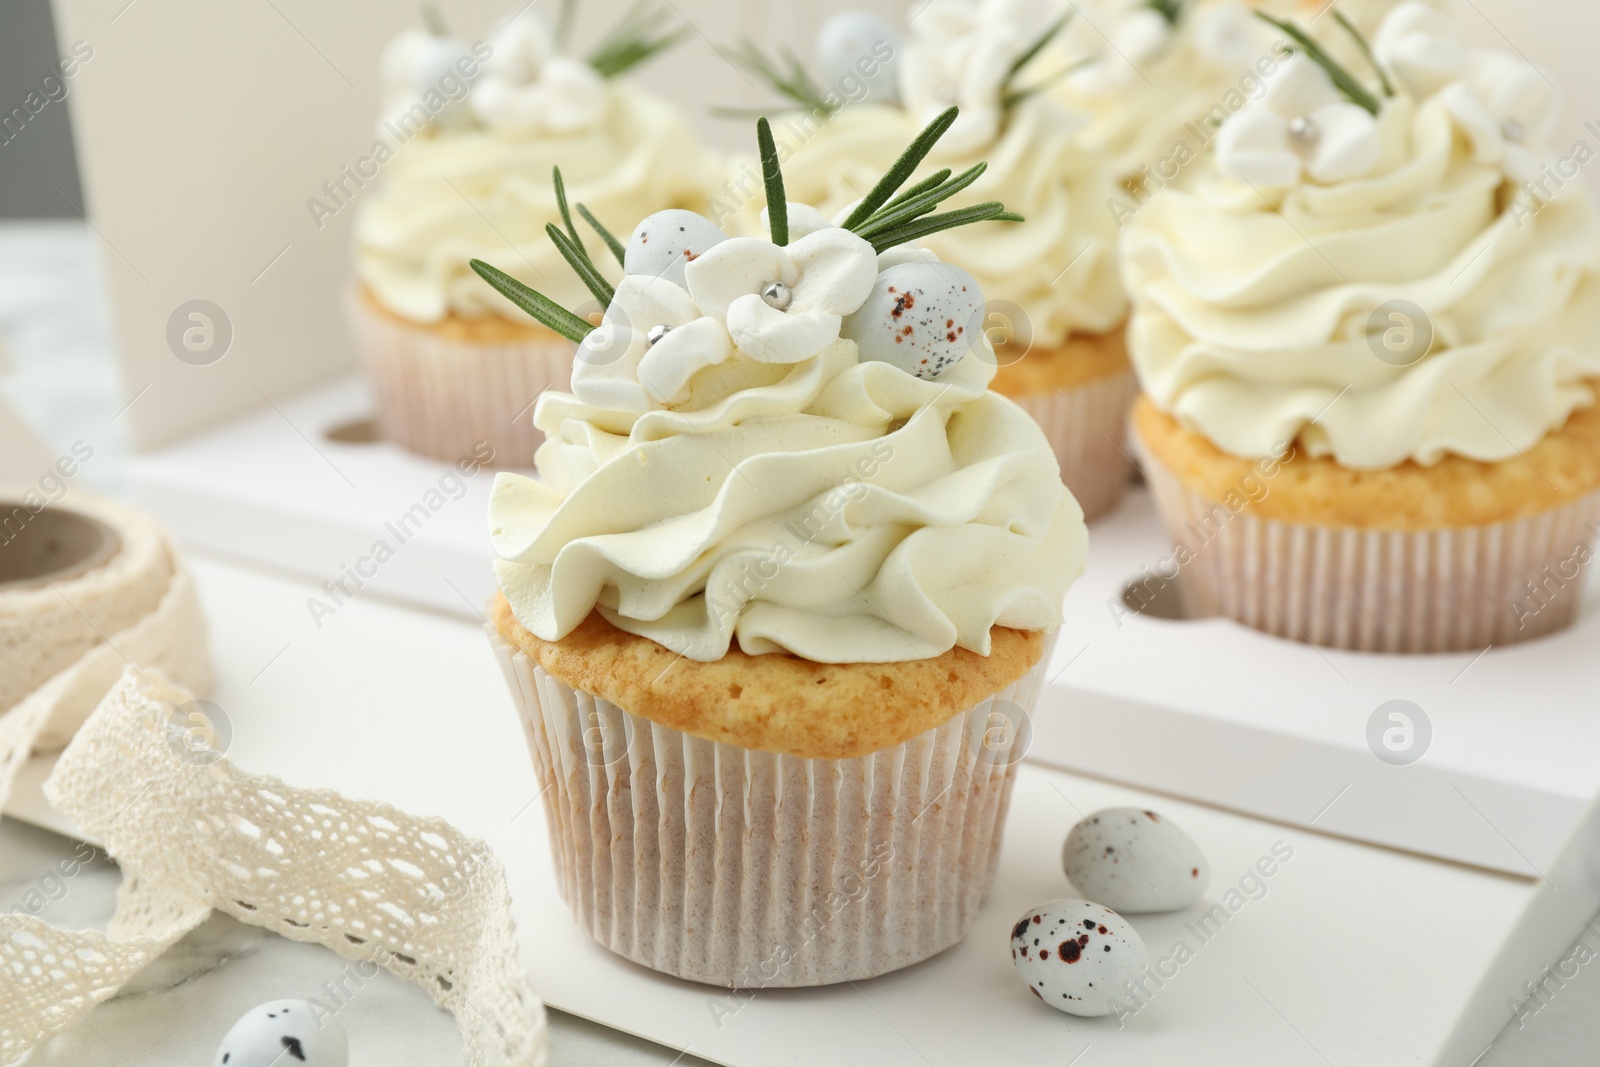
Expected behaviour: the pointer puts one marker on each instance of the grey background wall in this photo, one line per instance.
(38, 172)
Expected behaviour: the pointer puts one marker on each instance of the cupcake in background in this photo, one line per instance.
(1151, 78)
(777, 608)
(1368, 334)
(473, 134)
(1055, 311)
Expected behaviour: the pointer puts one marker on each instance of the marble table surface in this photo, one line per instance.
(61, 377)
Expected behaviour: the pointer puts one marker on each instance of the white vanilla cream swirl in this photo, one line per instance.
(1251, 318)
(1059, 267)
(447, 198)
(838, 510)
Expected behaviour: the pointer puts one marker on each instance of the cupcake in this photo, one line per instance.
(779, 605)
(466, 150)
(1367, 331)
(1056, 310)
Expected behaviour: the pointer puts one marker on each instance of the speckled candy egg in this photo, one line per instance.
(1078, 956)
(856, 57)
(664, 243)
(1135, 861)
(921, 317)
(285, 1033)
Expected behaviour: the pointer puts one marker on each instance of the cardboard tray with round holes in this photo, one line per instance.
(1204, 709)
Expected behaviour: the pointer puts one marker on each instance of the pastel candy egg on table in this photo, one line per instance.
(284, 1033)
(1135, 861)
(1077, 956)
(856, 54)
(666, 242)
(921, 317)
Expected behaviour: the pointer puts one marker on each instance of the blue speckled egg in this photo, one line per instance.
(666, 242)
(857, 56)
(285, 1033)
(1078, 956)
(921, 317)
(1135, 861)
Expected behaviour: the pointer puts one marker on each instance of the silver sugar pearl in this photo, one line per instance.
(777, 295)
(1513, 130)
(1303, 131)
(657, 332)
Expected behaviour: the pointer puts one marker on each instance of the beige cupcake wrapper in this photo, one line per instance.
(1452, 590)
(1086, 426)
(444, 397)
(750, 869)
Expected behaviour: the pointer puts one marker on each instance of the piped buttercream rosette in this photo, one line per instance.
(794, 447)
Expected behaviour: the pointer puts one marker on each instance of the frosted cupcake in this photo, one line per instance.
(1056, 308)
(1367, 332)
(467, 146)
(780, 601)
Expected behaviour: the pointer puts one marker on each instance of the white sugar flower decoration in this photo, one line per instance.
(418, 74)
(1301, 125)
(961, 52)
(1109, 48)
(1422, 46)
(526, 86)
(651, 342)
(1225, 35)
(1507, 109)
(783, 304)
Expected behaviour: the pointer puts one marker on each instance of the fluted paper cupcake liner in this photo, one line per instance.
(1087, 429)
(1447, 590)
(750, 869)
(445, 397)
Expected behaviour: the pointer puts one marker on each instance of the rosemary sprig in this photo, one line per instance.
(783, 72)
(581, 265)
(1346, 82)
(1010, 96)
(1038, 46)
(434, 22)
(565, 22)
(902, 210)
(638, 35)
(993, 211)
(566, 215)
(772, 175)
(538, 305)
(1366, 50)
(938, 177)
(1171, 10)
(605, 235)
(903, 167)
(886, 219)
(572, 248)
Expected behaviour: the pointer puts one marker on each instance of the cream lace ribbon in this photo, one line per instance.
(73, 638)
(193, 833)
